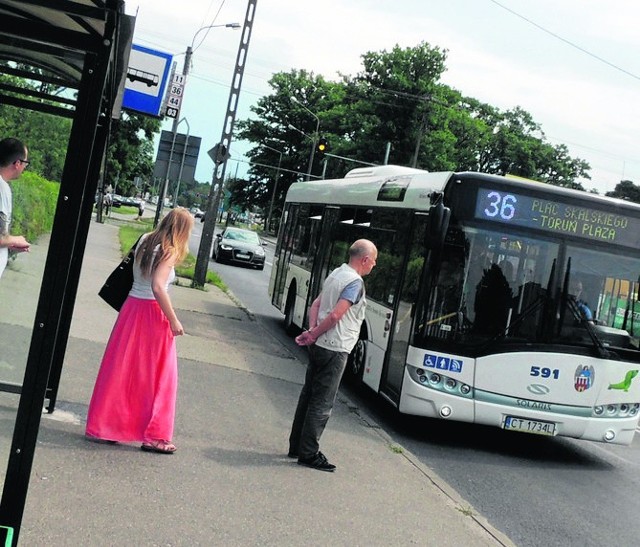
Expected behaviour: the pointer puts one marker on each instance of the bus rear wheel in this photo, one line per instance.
(355, 363)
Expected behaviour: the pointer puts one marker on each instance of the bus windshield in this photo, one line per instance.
(497, 290)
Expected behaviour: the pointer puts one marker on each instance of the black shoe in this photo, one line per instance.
(319, 462)
(292, 454)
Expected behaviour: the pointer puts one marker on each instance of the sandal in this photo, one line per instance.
(159, 447)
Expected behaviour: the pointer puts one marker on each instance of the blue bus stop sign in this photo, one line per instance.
(146, 80)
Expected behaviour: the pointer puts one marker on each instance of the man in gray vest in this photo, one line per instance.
(335, 318)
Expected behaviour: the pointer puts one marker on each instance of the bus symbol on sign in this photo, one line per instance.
(443, 363)
(456, 365)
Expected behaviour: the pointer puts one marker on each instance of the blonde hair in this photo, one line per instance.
(172, 238)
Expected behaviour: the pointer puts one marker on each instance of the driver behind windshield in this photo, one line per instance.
(583, 307)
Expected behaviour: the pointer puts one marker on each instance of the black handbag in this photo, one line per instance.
(117, 286)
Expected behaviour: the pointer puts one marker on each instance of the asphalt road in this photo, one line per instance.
(537, 490)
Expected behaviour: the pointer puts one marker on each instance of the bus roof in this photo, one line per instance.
(405, 187)
(382, 170)
(365, 187)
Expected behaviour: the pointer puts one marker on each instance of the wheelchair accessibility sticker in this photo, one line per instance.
(442, 363)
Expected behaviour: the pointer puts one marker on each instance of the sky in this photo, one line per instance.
(573, 65)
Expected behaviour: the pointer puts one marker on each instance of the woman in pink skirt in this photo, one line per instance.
(134, 398)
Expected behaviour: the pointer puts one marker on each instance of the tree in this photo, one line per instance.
(397, 101)
(130, 151)
(46, 136)
(625, 189)
(284, 134)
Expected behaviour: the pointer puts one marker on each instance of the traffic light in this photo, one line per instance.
(322, 147)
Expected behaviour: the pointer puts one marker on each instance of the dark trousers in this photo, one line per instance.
(318, 394)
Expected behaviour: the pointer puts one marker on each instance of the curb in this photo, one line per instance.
(460, 503)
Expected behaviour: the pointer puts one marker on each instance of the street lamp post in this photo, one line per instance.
(221, 155)
(193, 47)
(174, 128)
(275, 186)
(315, 136)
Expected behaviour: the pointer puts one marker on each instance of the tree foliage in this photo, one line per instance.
(398, 106)
(130, 151)
(45, 136)
(625, 189)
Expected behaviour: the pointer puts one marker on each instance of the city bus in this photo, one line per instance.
(495, 300)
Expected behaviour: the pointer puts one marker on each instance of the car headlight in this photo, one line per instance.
(225, 247)
(259, 251)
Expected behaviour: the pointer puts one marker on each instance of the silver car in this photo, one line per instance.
(239, 246)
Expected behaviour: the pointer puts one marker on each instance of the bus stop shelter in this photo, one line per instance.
(82, 47)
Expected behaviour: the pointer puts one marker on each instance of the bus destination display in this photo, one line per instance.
(556, 217)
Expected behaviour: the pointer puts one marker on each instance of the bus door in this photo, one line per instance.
(404, 312)
(283, 255)
(320, 268)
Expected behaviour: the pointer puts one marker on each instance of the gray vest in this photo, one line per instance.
(344, 335)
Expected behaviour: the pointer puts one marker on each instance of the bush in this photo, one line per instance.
(34, 205)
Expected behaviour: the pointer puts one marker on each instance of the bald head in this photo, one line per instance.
(362, 256)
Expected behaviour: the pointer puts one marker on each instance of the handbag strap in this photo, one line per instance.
(132, 252)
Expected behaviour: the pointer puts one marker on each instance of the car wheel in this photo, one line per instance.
(354, 370)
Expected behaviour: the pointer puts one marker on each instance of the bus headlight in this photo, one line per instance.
(450, 384)
(598, 410)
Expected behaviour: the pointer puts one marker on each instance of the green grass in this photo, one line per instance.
(466, 511)
(125, 210)
(129, 234)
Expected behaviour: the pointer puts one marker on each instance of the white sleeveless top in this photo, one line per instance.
(142, 285)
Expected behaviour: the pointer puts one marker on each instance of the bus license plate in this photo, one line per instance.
(529, 426)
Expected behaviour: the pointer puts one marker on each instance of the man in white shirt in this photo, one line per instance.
(13, 161)
(335, 318)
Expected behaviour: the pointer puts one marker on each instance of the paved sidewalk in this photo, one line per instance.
(230, 483)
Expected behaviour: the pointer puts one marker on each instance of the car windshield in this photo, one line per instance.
(247, 237)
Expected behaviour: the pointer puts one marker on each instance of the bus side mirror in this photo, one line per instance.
(438, 223)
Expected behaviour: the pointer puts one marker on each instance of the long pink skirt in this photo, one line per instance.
(134, 398)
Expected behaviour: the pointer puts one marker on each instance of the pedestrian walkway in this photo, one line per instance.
(230, 483)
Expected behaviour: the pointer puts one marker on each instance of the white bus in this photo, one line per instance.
(476, 308)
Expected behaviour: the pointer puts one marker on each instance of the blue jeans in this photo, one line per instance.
(317, 397)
